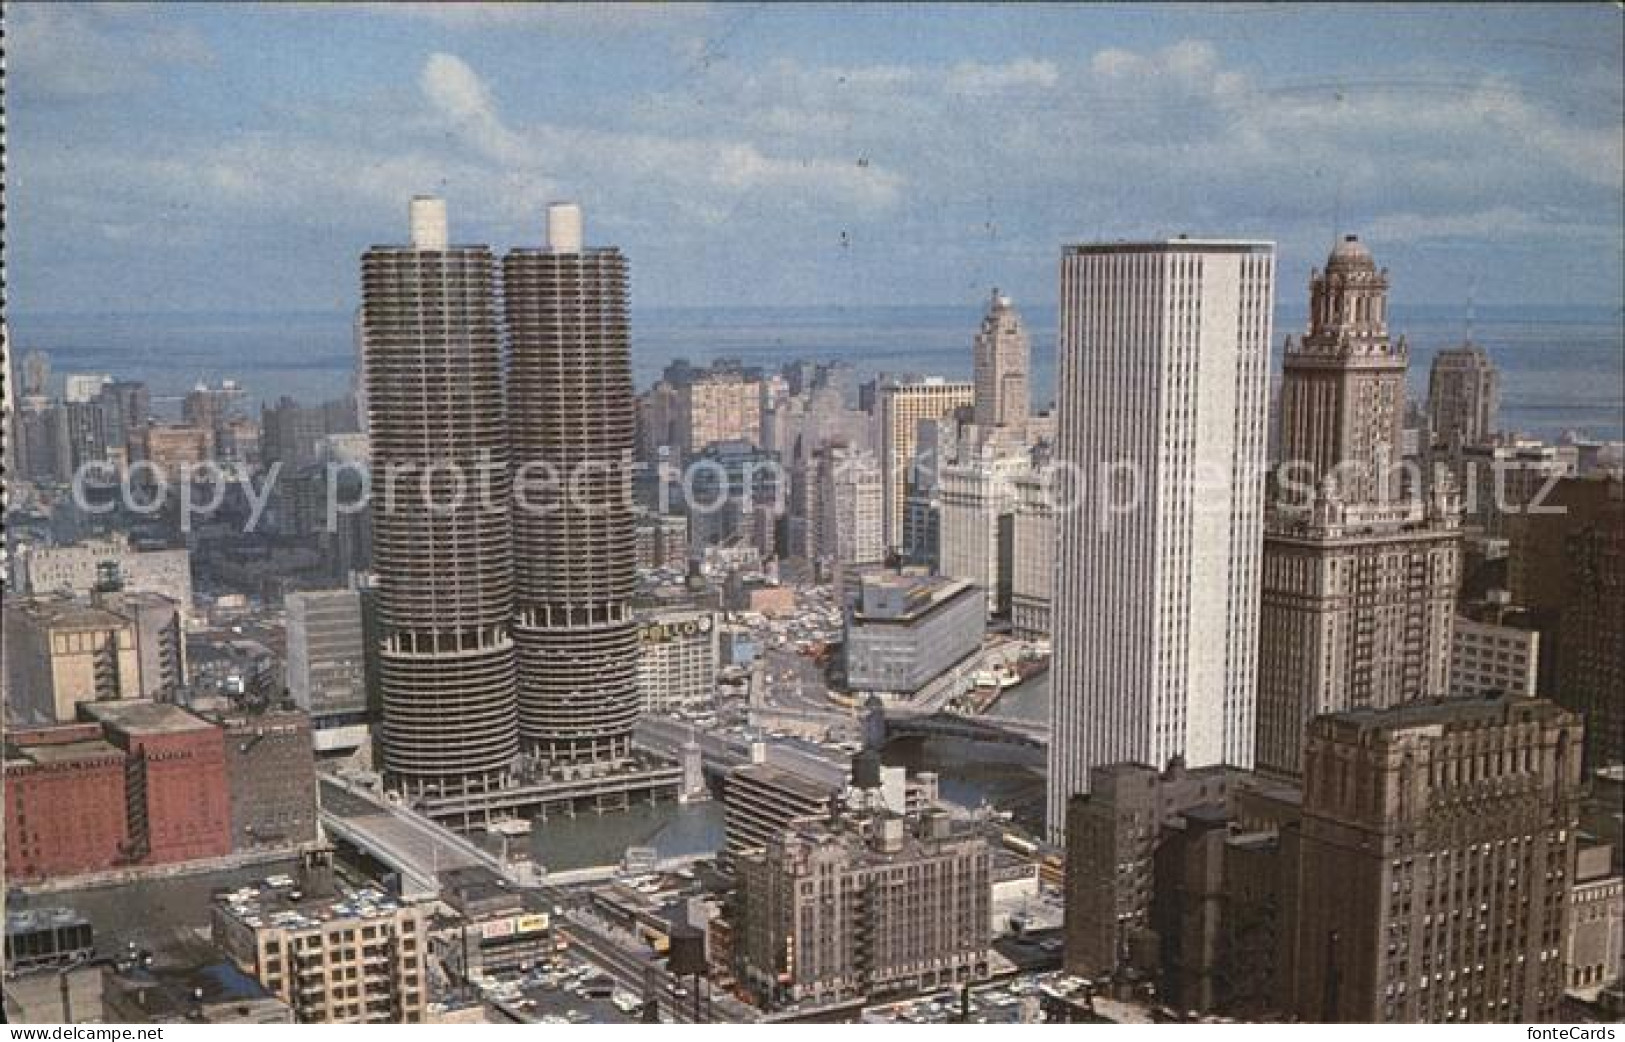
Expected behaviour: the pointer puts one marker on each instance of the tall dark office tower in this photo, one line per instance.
(444, 561)
(1429, 881)
(572, 409)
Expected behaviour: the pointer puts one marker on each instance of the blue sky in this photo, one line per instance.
(198, 158)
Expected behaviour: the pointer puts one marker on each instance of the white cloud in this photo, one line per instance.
(74, 51)
(1500, 224)
(454, 90)
(569, 17)
(946, 171)
(978, 78)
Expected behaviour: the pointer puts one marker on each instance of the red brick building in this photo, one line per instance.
(137, 783)
(180, 805)
(65, 802)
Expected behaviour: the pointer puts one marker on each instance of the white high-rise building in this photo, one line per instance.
(902, 407)
(851, 501)
(1032, 556)
(977, 500)
(1163, 400)
(83, 387)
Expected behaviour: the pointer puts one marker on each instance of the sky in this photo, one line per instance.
(199, 158)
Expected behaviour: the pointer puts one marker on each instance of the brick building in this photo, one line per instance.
(175, 777)
(270, 768)
(61, 767)
(133, 784)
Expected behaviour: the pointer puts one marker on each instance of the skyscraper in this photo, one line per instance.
(1002, 359)
(1343, 382)
(573, 427)
(977, 502)
(902, 407)
(850, 500)
(1429, 879)
(1464, 392)
(442, 538)
(1164, 352)
(1359, 578)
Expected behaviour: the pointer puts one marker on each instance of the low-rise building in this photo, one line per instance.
(188, 982)
(79, 568)
(860, 907)
(1494, 647)
(905, 631)
(145, 781)
(677, 664)
(499, 929)
(344, 957)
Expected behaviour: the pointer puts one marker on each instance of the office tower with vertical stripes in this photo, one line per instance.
(431, 350)
(1164, 355)
(572, 428)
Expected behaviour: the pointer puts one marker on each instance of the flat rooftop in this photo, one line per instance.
(272, 902)
(800, 784)
(62, 752)
(140, 716)
(1174, 245)
(1445, 712)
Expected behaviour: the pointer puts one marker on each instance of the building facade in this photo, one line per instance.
(571, 412)
(1112, 835)
(1358, 611)
(905, 632)
(850, 507)
(1503, 480)
(1492, 650)
(356, 958)
(1464, 395)
(62, 652)
(1360, 572)
(839, 912)
(722, 405)
(1430, 879)
(976, 506)
(1002, 359)
(446, 661)
(677, 660)
(1032, 553)
(902, 407)
(1156, 592)
(270, 779)
(327, 665)
(1566, 568)
(761, 800)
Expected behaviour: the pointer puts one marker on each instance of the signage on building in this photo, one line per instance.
(510, 926)
(666, 632)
